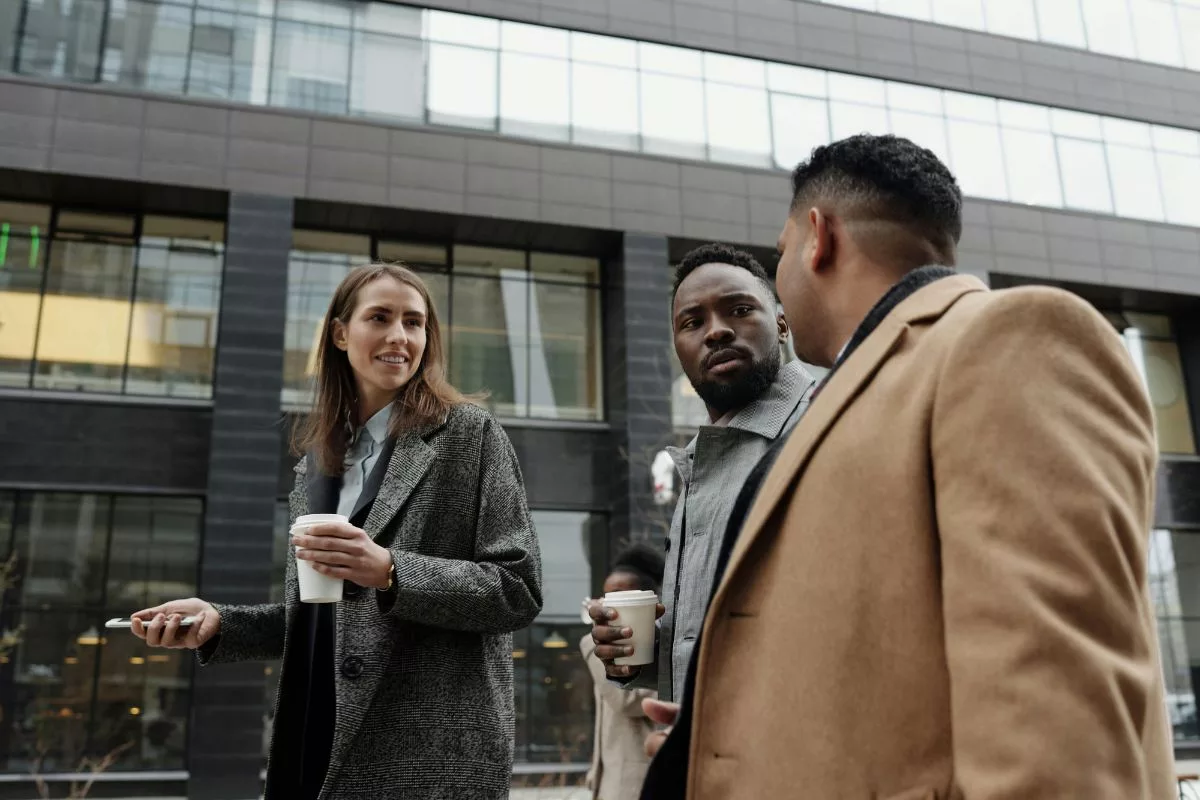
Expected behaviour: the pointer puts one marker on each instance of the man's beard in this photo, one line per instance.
(725, 397)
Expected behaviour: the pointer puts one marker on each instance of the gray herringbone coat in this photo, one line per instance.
(424, 684)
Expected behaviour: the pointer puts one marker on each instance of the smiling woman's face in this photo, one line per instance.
(384, 339)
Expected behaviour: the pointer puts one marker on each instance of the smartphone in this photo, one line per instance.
(117, 622)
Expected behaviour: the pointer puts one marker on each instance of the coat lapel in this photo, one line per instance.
(410, 459)
(843, 387)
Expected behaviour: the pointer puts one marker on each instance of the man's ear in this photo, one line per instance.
(821, 244)
(782, 326)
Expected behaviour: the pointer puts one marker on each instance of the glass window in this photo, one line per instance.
(738, 124)
(800, 124)
(72, 690)
(912, 9)
(959, 13)
(389, 73)
(977, 175)
(672, 115)
(564, 333)
(482, 32)
(535, 40)
(1031, 165)
(588, 48)
(1109, 28)
(1156, 37)
(173, 329)
(311, 67)
(462, 86)
(666, 60)
(230, 56)
(147, 45)
(604, 106)
(98, 309)
(797, 80)
(535, 96)
(1174, 566)
(83, 329)
(63, 40)
(489, 340)
(1134, 182)
(1011, 18)
(905, 97)
(1189, 32)
(318, 262)
(1061, 23)
(553, 690)
(1084, 175)
(23, 231)
(1155, 352)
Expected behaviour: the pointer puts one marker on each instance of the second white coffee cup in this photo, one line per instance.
(635, 610)
(315, 587)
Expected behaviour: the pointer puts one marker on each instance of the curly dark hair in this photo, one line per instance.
(886, 178)
(644, 561)
(720, 254)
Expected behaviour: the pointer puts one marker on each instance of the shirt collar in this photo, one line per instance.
(767, 415)
(377, 425)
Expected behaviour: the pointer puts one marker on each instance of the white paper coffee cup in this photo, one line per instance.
(635, 610)
(315, 587)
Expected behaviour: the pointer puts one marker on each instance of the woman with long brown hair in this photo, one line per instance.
(404, 689)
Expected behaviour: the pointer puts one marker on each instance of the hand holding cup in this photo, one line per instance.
(624, 631)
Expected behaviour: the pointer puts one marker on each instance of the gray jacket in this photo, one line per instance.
(423, 674)
(712, 469)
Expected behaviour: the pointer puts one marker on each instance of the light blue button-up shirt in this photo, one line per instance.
(361, 458)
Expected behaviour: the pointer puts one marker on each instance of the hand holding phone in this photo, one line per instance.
(180, 624)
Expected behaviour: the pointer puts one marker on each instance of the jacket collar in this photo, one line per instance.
(765, 417)
(839, 389)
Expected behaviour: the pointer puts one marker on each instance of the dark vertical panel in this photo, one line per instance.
(638, 337)
(226, 735)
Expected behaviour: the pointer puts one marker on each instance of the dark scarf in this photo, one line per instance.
(667, 776)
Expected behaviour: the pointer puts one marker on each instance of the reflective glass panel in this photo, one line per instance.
(23, 247)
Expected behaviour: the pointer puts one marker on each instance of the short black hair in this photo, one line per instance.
(720, 254)
(886, 178)
(644, 561)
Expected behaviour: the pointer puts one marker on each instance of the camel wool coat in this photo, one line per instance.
(940, 591)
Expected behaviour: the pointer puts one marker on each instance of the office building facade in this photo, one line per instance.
(183, 182)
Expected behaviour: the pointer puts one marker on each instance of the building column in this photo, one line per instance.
(225, 743)
(638, 367)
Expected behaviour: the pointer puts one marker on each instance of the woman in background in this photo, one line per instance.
(619, 760)
(404, 689)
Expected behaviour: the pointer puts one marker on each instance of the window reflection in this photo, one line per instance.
(523, 328)
(1151, 343)
(553, 694)
(69, 689)
(439, 68)
(1151, 30)
(98, 307)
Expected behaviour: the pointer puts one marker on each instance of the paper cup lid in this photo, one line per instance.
(635, 597)
(318, 519)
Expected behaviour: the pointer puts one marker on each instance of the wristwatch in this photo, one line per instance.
(391, 575)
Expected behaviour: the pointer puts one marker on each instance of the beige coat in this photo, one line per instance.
(940, 590)
(618, 751)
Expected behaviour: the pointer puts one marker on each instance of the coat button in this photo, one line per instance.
(351, 590)
(352, 667)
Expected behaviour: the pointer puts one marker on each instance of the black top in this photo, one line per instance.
(311, 673)
(666, 778)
